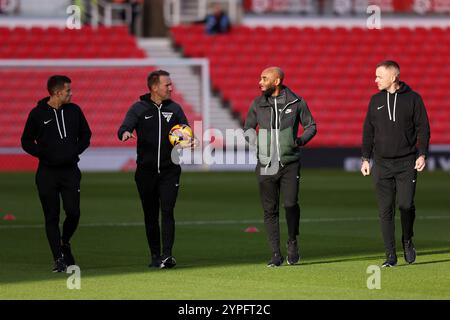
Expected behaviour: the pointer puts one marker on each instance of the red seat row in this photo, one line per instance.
(87, 42)
(332, 68)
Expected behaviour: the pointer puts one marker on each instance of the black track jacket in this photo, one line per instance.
(153, 123)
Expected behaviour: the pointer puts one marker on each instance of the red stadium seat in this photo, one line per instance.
(332, 67)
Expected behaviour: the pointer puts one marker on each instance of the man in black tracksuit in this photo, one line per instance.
(157, 177)
(397, 132)
(57, 132)
(278, 112)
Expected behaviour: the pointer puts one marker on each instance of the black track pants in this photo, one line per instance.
(51, 184)
(159, 191)
(395, 183)
(285, 182)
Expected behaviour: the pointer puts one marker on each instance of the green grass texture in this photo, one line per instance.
(339, 239)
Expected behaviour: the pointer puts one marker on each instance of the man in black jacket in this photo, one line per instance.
(278, 112)
(397, 132)
(57, 132)
(157, 177)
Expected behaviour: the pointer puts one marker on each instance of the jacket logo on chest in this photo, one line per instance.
(288, 111)
(381, 107)
(167, 115)
(45, 122)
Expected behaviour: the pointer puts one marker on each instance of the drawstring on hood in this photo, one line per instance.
(63, 123)
(389, 106)
(404, 88)
(396, 133)
(47, 137)
(44, 104)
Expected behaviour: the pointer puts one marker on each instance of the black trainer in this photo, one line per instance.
(60, 265)
(409, 251)
(292, 251)
(67, 254)
(276, 261)
(391, 260)
(156, 262)
(168, 262)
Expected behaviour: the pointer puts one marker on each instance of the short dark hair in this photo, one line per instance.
(57, 82)
(390, 64)
(153, 77)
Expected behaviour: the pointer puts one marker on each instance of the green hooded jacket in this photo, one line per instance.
(278, 127)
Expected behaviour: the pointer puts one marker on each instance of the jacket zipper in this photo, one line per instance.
(159, 137)
(277, 131)
(271, 137)
(279, 126)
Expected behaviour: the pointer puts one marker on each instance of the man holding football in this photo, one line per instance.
(278, 112)
(157, 177)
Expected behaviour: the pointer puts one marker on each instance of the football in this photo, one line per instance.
(180, 134)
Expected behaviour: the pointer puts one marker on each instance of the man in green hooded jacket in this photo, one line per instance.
(278, 113)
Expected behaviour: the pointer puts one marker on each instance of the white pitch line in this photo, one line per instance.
(216, 222)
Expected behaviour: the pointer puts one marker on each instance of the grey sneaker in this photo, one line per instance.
(409, 251)
(292, 251)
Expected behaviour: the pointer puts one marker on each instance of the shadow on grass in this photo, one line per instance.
(105, 251)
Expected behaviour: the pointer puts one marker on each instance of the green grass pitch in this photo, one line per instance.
(340, 237)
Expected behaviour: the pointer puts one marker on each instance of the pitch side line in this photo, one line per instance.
(217, 222)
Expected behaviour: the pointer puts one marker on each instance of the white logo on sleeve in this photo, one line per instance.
(167, 115)
(45, 122)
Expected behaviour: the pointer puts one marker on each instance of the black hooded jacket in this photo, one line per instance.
(56, 137)
(396, 125)
(152, 123)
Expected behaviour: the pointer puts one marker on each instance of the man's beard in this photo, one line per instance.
(269, 91)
